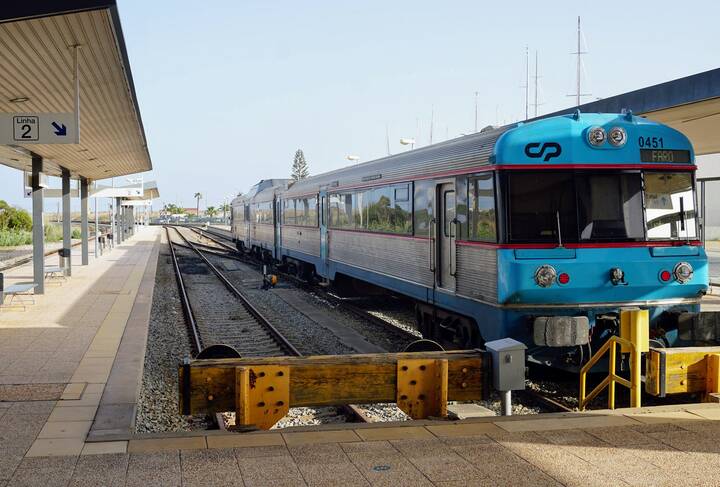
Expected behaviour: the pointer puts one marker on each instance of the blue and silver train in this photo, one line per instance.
(540, 231)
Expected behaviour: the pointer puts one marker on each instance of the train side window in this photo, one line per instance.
(402, 194)
(340, 204)
(448, 211)
(323, 210)
(483, 226)
(423, 214)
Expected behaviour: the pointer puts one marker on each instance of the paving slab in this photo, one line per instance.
(239, 440)
(163, 444)
(320, 437)
(104, 447)
(106, 470)
(399, 433)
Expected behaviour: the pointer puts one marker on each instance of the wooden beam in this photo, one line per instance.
(330, 380)
(678, 370)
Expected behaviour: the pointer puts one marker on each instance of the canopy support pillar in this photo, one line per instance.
(66, 223)
(84, 231)
(38, 233)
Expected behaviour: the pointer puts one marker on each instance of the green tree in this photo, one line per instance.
(225, 209)
(173, 209)
(300, 168)
(211, 211)
(198, 197)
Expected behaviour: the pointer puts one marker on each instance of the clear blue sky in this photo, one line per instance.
(229, 90)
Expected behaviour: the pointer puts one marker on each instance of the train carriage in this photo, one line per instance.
(540, 231)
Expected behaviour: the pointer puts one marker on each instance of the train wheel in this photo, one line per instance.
(424, 346)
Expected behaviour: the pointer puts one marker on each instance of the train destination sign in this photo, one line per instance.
(38, 128)
(664, 155)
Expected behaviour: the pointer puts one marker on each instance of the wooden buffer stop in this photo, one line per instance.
(684, 370)
(261, 390)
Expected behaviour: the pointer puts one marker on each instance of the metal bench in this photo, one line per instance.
(55, 272)
(19, 290)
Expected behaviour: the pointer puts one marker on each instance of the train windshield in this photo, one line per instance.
(585, 206)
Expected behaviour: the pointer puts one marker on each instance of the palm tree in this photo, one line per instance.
(198, 197)
(211, 211)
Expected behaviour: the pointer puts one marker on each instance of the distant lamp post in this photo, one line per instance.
(410, 142)
(352, 158)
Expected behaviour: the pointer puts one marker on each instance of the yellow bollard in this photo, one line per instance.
(635, 327)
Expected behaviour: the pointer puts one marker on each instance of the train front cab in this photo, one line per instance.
(607, 223)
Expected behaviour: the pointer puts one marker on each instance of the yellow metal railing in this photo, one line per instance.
(634, 326)
(612, 378)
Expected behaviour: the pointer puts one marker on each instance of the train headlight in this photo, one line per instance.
(596, 136)
(617, 136)
(683, 272)
(545, 275)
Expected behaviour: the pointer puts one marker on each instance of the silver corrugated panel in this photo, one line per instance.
(406, 258)
(240, 232)
(262, 232)
(453, 155)
(477, 272)
(302, 239)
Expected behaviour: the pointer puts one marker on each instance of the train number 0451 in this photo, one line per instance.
(650, 142)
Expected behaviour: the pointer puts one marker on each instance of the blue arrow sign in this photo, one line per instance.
(60, 130)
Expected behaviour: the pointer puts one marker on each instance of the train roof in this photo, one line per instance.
(564, 140)
(445, 157)
(560, 139)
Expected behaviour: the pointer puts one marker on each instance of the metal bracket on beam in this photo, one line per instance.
(712, 377)
(422, 387)
(262, 395)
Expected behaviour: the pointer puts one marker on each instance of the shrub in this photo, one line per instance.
(53, 233)
(15, 219)
(11, 238)
(76, 233)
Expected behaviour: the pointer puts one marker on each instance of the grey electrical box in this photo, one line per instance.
(508, 363)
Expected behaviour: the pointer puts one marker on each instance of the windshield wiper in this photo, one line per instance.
(559, 231)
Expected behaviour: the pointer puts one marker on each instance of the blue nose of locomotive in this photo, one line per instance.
(627, 276)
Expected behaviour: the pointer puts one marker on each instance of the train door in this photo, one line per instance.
(324, 251)
(276, 225)
(445, 235)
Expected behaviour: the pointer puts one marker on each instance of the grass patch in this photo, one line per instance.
(12, 238)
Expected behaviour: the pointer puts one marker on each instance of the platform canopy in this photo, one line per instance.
(690, 104)
(147, 191)
(36, 75)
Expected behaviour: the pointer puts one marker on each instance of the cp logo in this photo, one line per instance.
(548, 149)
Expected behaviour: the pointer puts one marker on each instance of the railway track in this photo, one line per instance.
(248, 333)
(217, 313)
(218, 237)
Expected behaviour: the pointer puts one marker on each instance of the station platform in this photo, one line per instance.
(651, 446)
(71, 364)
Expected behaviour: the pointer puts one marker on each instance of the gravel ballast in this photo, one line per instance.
(167, 346)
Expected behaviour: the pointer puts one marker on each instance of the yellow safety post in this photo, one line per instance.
(635, 327)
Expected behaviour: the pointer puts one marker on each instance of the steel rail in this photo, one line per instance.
(187, 308)
(207, 234)
(351, 410)
(279, 338)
